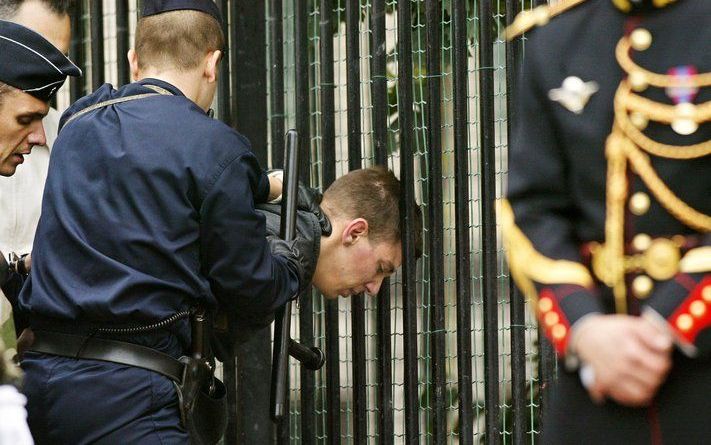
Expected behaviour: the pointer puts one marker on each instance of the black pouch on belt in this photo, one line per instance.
(203, 397)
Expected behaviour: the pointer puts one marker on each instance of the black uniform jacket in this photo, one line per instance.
(608, 205)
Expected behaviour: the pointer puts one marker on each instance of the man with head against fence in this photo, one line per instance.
(361, 244)
(148, 220)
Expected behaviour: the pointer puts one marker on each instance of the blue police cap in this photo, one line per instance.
(153, 7)
(30, 63)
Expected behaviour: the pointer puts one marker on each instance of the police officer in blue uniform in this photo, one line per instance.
(148, 213)
(608, 214)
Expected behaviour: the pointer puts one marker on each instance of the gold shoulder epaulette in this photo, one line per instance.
(538, 16)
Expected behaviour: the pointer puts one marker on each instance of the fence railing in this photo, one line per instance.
(445, 353)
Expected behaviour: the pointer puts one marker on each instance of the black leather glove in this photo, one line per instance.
(299, 254)
(309, 200)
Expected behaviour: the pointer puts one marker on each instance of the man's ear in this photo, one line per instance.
(354, 230)
(212, 61)
(133, 63)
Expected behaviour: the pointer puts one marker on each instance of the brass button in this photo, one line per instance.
(545, 304)
(706, 293)
(641, 242)
(697, 308)
(639, 120)
(642, 286)
(640, 39)
(661, 260)
(552, 318)
(558, 332)
(639, 203)
(684, 322)
(638, 81)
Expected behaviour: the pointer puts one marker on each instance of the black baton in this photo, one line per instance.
(312, 358)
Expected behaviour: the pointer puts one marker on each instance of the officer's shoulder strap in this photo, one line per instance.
(538, 16)
(158, 92)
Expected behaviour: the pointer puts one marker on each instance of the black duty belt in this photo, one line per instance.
(93, 348)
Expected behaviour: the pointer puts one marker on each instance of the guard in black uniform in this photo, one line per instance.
(148, 218)
(607, 217)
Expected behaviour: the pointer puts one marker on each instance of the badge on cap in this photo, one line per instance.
(573, 93)
(30, 63)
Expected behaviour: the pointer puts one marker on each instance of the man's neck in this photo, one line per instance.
(187, 83)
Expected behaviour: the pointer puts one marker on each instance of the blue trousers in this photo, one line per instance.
(76, 402)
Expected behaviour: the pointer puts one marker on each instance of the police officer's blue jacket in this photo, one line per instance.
(149, 209)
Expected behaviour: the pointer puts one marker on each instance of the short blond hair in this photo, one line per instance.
(177, 39)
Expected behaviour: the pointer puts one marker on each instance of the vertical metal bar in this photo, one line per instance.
(436, 226)
(96, 18)
(328, 147)
(379, 86)
(488, 223)
(249, 86)
(76, 52)
(276, 80)
(246, 60)
(122, 70)
(308, 385)
(516, 301)
(546, 371)
(301, 16)
(301, 64)
(353, 84)
(360, 418)
(407, 212)
(250, 402)
(518, 364)
(379, 98)
(461, 184)
(223, 81)
(229, 374)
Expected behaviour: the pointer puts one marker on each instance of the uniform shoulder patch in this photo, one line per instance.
(538, 16)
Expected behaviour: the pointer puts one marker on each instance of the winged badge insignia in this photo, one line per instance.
(574, 93)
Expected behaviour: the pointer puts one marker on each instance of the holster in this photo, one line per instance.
(203, 397)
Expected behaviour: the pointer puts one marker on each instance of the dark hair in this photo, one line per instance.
(177, 39)
(373, 194)
(8, 8)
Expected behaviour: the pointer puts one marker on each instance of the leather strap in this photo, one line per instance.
(123, 353)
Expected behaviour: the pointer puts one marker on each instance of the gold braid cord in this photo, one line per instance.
(681, 210)
(626, 146)
(538, 16)
(626, 101)
(527, 265)
(614, 249)
(622, 52)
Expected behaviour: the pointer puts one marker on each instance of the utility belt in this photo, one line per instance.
(202, 397)
(657, 259)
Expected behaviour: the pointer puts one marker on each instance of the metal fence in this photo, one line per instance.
(445, 353)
